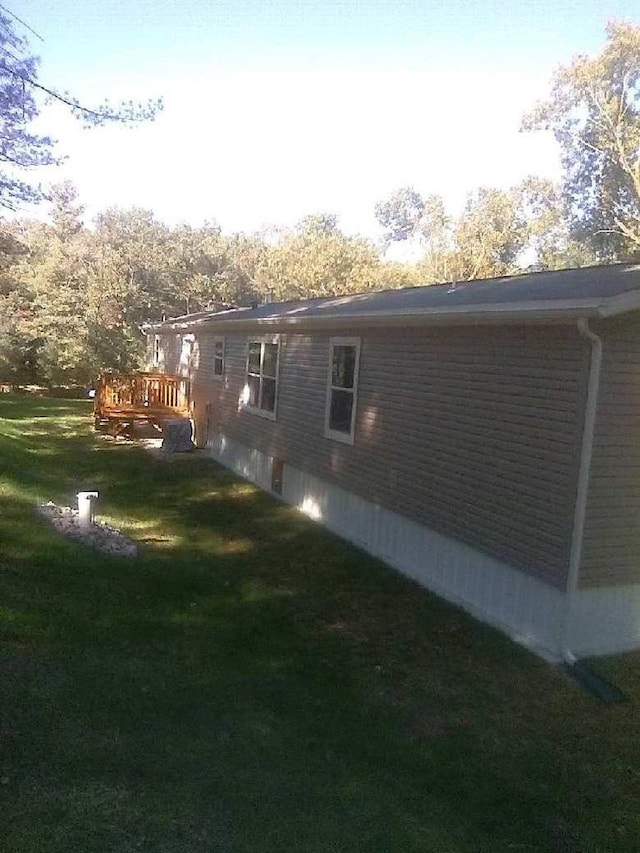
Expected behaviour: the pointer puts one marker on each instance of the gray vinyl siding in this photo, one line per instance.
(611, 549)
(471, 431)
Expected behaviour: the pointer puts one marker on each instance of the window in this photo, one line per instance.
(186, 354)
(344, 358)
(157, 350)
(218, 358)
(262, 377)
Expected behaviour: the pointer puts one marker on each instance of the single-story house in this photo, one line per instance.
(483, 438)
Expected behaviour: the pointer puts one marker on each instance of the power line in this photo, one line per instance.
(24, 23)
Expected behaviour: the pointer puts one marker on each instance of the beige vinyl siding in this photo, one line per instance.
(474, 432)
(206, 388)
(611, 550)
(149, 352)
(170, 344)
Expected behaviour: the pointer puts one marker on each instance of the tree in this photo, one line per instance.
(318, 224)
(594, 113)
(66, 211)
(317, 259)
(407, 216)
(204, 271)
(401, 215)
(129, 282)
(549, 235)
(52, 284)
(18, 352)
(20, 91)
(489, 235)
(485, 240)
(20, 149)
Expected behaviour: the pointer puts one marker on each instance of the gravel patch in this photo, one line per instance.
(97, 535)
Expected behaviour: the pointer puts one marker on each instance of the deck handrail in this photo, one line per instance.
(141, 393)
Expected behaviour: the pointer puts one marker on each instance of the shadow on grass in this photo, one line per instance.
(253, 683)
(26, 408)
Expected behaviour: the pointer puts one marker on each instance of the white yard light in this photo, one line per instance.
(85, 508)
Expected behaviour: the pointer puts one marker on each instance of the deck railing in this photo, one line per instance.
(141, 395)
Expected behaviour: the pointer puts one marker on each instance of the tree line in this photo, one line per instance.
(73, 298)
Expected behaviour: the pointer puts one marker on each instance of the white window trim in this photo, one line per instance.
(157, 350)
(185, 368)
(264, 339)
(345, 438)
(219, 377)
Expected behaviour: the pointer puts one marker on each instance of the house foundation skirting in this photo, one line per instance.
(532, 613)
(607, 620)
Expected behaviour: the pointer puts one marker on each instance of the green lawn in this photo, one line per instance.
(251, 683)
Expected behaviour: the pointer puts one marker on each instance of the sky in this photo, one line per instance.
(275, 109)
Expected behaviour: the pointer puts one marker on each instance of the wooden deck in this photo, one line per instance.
(125, 399)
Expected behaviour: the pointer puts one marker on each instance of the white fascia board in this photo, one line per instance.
(621, 304)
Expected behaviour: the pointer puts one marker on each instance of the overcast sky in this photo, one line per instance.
(274, 110)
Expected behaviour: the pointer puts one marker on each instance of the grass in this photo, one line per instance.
(251, 683)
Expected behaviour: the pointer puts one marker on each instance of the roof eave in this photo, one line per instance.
(550, 311)
(621, 304)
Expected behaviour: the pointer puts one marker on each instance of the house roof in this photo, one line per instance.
(590, 292)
